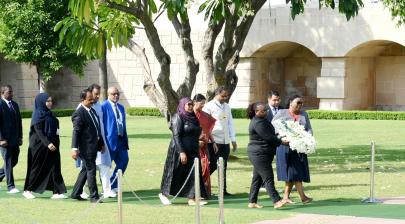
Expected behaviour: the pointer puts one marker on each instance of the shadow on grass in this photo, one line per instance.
(346, 159)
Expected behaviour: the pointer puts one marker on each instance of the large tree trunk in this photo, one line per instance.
(183, 31)
(102, 71)
(140, 9)
(227, 55)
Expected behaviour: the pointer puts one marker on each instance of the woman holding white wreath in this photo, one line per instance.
(292, 167)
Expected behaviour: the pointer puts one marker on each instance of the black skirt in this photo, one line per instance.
(44, 168)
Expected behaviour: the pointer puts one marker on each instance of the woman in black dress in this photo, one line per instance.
(261, 151)
(182, 150)
(44, 168)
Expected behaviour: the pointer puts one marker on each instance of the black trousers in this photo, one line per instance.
(88, 172)
(262, 174)
(10, 157)
(223, 151)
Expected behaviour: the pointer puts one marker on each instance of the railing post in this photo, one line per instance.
(371, 199)
(120, 197)
(197, 190)
(221, 190)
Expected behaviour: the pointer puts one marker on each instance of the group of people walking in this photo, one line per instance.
(205, 131)
(99, 137)
(199, 130)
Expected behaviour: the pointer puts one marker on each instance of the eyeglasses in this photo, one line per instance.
(190, 104)
(115, 94)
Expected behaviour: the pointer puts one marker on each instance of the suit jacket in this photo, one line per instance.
(84, 135)
(10, 123)
(270, 113)
(111, 126)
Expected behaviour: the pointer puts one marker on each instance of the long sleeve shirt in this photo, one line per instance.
(223, 131)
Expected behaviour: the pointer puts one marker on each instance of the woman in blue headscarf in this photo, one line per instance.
(183, 148)
(44, 168)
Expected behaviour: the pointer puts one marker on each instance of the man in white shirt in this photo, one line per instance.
(223, 132)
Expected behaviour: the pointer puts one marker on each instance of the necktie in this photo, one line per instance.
(10, 105)
(95, 120)
(120, 126)
(275, 111)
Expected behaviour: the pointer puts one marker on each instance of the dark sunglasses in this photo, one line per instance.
(300, 102)
(190, 104)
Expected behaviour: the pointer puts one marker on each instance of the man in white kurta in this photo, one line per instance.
(223, 132)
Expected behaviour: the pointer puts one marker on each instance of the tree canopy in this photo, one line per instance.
(232, 18)
(27, 36)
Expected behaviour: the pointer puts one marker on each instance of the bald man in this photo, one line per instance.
(115, 132)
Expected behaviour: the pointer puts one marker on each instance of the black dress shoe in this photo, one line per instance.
(78, 198)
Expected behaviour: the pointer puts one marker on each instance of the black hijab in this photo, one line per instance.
(42, 113)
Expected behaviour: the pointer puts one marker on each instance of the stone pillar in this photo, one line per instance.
(331, 84)
(247, 78)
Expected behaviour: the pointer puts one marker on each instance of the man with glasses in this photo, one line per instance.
(223, 132)
(115, 132)
(10, 136)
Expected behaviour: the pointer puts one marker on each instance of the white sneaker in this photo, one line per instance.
(164, 199)
(110, 194)
(59, 196)
(115, 190)
(84, 195)
(192, 202)
(28, 195)
(13, 191)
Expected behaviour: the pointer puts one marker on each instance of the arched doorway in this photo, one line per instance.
(288, 67)
(375, 76)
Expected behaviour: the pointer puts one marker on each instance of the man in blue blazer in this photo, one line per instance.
(115, 132)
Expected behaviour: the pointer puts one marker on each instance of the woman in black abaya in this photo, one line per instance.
(44, 168)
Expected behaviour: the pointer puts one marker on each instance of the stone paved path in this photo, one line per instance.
(331, 219)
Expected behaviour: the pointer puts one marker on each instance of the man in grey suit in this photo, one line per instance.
(10, 136)
(274, 100)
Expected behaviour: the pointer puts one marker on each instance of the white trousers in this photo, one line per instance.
(105, 175)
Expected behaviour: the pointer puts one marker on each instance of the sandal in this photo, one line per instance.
(254, 205)
(288, 201)
(307, 200)
(279, 204)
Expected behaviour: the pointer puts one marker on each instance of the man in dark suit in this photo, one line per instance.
(10, 136)
(273, 98)
(86, 141)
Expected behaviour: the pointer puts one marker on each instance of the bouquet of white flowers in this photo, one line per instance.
(299, 139)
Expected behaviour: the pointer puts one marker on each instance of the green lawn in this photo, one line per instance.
(339, 175)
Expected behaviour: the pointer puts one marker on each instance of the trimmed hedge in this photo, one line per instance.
(143, 111)
(57, 112)
(241, 113)
(356, 115)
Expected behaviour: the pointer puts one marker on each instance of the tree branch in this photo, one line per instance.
(164, 60)
(207, 52)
